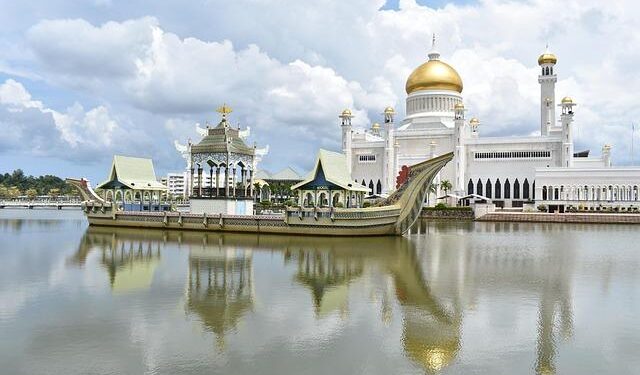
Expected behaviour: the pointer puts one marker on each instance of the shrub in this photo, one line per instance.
(366, 204)
(542, 208)
(441, 206)
(265, 203)
(339, 205)
(290, 202)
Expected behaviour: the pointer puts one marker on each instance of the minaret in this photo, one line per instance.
(388, 172)
(432, 154)
(345, 123)
(566, 118)
(547, 80)
(459, 150)
(474, 123)
(606, 155)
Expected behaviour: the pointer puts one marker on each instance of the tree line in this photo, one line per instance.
(15, 184)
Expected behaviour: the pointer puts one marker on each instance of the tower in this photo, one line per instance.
(459, 151)
(474, 123)
(388, 171)
(345, 123)
(606, 155)
(547, 80)
(566, 118)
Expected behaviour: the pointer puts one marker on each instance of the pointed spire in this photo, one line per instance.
(434, 54)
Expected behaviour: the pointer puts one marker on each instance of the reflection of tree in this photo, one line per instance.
(220, 287)
(17, 225)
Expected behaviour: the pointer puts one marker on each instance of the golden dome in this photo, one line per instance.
(389, 110)
(458, 106)
(375, 126)
(346, 112)
(434, 75)
(567, 100)
(547, 58)
(474, 121)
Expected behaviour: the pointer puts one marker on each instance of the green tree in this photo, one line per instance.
(446, 186)
(54, 193)
(14, 192)
(31, 193)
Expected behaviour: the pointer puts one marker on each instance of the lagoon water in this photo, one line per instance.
(457, 298)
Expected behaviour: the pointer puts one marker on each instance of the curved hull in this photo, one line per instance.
(248, 224)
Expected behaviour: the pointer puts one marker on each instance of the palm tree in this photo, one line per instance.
(446, 186)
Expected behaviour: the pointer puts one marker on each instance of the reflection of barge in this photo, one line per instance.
(393, 217)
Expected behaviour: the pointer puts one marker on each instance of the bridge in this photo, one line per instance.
(40, 204)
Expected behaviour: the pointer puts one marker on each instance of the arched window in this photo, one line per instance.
(544, 193)
(498, 189)
(370, 186)
(479, 188)
(488, 188)
(516, 189)
(525, 189)
(470, 187)
(507, 189)
(379, 187)
(364, 183)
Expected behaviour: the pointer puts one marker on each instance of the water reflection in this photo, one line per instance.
(430, 281)
(220, 286)
(130, 260)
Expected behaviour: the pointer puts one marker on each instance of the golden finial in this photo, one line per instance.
(224, 110)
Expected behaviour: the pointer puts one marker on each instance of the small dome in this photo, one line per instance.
(474, 121)
(567, 100)
(346, 112)
(459, 106)
(547, 58)
(375, 126)
(389, 110)
(434, 75)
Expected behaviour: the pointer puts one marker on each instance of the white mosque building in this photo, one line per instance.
(507, 171)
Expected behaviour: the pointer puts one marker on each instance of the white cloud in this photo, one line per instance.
(29, 125)
(289, 74)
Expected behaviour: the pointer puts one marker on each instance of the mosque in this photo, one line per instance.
(509, 171)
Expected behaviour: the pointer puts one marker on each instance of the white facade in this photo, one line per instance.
(505, 170)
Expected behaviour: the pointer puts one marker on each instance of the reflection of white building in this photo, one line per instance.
(506, 170)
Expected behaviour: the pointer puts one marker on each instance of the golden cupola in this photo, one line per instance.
(434, 75)
(547, 57)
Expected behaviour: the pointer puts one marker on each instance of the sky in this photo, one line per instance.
(82, 81)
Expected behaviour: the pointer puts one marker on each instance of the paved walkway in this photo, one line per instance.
(600, 218)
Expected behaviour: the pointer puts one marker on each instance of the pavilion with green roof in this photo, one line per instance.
(329, 184)
(130, 179)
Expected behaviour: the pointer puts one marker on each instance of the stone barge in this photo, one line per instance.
(394, 216)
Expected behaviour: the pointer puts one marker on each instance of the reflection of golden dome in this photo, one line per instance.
(431, 357)
(434, 75)
(567, 100)
(346, 112)
(547, 58)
